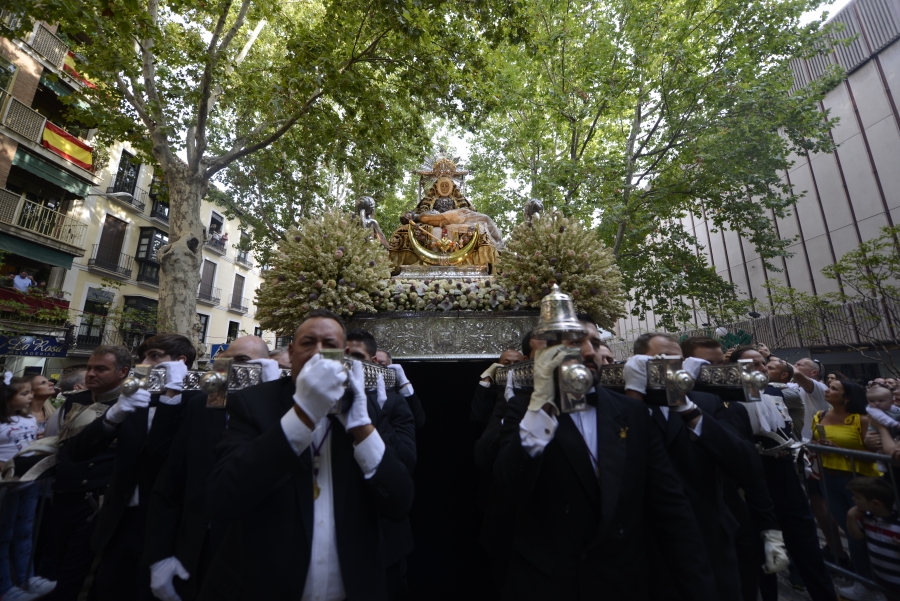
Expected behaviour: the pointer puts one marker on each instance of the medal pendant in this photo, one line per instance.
(316, 490)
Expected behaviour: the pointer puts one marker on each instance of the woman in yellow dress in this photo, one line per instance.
(844, 425)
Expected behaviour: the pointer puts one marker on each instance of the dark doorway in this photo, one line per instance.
(448, 562)
(111, 239)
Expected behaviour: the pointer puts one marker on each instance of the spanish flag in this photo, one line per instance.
(68, 146)
(69, 67)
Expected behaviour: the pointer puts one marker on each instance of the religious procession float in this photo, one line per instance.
(446, 284)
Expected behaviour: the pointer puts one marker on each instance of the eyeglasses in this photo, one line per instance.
(817, 362)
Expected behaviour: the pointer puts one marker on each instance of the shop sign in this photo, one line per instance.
(33, 346)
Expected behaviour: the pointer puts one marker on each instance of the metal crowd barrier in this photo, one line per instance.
(833, 530)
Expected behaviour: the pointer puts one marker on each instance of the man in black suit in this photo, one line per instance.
(80, 484)
(398, 428)
(138, 429)
(749, 501)
(487, 394)
(791, 503)
(709, 457)
(180, 541)
(403, 387)
(592, 487)
(301, 491)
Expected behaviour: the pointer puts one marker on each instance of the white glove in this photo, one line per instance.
(688, 405)
(402, 380)
(380, 391)
(692, 365)
(175, 373)
(776, 556)
(270, 369)
(546, 360)
(636, 373)
(319, 386)
(509, 392)
(359, 410)
(489, 372)
(162, 574)
(126, 405)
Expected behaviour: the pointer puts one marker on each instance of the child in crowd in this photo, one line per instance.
(886, 413)
(18, 429)
(875, 520)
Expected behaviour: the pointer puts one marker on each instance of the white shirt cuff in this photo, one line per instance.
(536, 431)
(167, 400)
(407, 390)
(368, 454)
(485, 384)
(297, 433)
(698, 428)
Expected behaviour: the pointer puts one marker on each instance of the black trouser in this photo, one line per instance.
(122, 574)
(69, 555)
(799, 529)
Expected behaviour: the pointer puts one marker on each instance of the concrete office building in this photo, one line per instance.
(848, 195)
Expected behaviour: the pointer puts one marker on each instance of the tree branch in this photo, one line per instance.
(213, 53)
(217, 164)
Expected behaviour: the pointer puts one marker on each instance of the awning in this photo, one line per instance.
(51, 173)
(35, 251)
(61, 89)
(58, 87)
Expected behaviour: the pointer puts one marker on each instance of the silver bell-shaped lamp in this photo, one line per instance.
(558, 320)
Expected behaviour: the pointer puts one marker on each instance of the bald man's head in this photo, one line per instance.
(246, 348)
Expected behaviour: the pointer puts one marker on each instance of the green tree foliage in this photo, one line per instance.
(185, 82)
(552, 250)
(630, 115)
(328, 262)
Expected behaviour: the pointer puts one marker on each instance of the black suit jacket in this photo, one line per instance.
(397, 427)
(578, 536)
(79, 473)
(707, 465)
(139, 456)
(178, 520)
(262, 491)
(753, 504)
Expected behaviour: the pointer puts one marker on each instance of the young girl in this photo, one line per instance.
(18, 429)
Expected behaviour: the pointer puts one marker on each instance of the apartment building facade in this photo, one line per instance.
(88, 233)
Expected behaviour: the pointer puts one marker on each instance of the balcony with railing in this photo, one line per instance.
(48, 45)
(34, 127)
(237, 304)
(217, 245)
(127, 195)
(208, 295)
(35, 222)
(109, 260)
(243, 258)
(159, 212)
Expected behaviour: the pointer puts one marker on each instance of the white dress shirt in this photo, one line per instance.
(324, 581)
(814, 402)
(537, 429)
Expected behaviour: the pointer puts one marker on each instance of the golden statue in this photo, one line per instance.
(445, 229)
